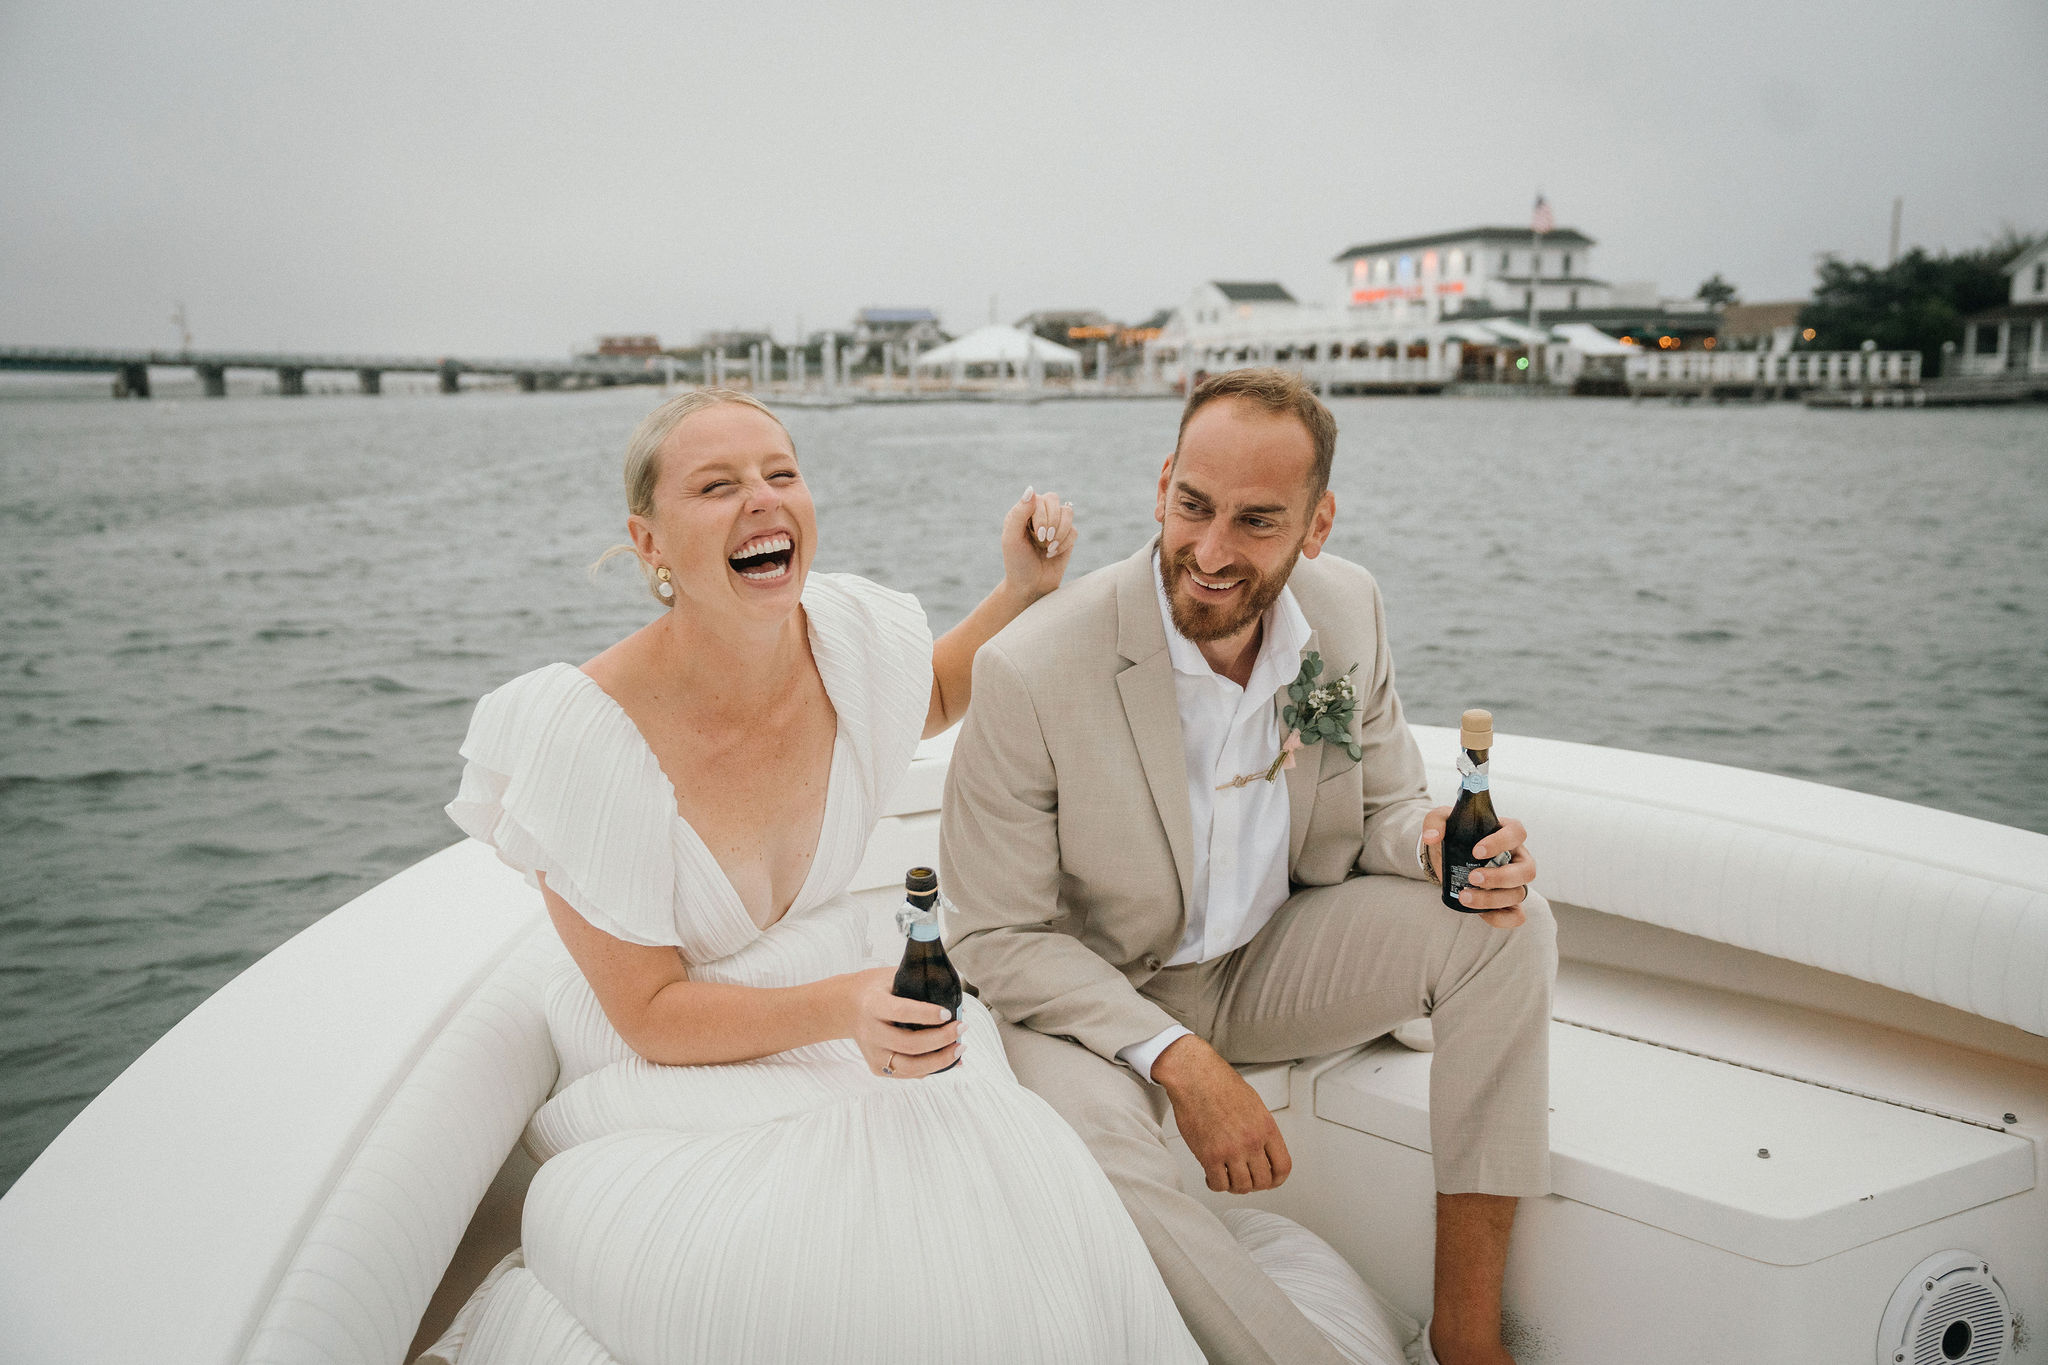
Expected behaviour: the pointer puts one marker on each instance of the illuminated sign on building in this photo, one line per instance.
(1405, 291)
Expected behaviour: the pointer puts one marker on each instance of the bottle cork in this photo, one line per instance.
(1475, 730)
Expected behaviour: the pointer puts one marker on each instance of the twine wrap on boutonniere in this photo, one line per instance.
(1314, 714)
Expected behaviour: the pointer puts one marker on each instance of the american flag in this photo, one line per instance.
(1541, 222)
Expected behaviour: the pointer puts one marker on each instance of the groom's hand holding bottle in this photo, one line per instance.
(1221, 1118)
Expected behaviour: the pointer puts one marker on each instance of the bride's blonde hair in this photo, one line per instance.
(643, 461)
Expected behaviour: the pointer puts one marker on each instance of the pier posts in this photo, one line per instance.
(528, 381)
(291, 381)
(370, 381)
(213, 380)
(451, 379)
(131, 381)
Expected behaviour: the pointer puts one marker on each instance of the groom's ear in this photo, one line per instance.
(1165, 482)
(1320, 522)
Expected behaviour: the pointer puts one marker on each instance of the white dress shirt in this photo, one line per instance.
(1241, 833)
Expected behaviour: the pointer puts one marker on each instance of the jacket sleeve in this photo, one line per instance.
(1396, 790)
(999, 850)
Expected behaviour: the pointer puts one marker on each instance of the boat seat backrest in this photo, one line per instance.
(374, 1252)
(1938, 905)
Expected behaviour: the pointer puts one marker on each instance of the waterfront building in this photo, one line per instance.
(2012, 340)
(1760, 326)
(1484, 270)
(1107, 347)
(898, 327)
(890, 339)
(1417, 313)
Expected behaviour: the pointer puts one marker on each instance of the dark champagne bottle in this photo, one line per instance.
(1472, 818)
(926, 973)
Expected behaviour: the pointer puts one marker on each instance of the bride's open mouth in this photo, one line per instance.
(764, 559)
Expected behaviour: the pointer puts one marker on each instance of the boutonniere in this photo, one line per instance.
(1314, 714)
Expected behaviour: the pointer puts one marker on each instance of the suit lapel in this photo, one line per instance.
(1152, 710)
(1301, 783)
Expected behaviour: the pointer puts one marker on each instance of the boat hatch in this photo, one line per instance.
(1767, 1167)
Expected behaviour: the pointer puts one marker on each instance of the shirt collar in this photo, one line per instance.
(1280, 647)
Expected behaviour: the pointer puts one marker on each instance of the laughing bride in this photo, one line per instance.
(747, 1157)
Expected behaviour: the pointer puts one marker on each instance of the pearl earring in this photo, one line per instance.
(664, 588)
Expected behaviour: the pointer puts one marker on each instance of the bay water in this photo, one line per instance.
(240, 640)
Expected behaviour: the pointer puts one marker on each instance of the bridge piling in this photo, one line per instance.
(528, 381)
(451, 379)
(131, 381)
(213, 380)
(370, 381)
(291, 381)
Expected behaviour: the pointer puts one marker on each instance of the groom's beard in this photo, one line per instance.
(1204, 621)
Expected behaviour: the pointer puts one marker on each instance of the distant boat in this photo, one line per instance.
(1799, 1086)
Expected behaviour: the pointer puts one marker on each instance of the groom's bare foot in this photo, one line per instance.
(1450, 1350)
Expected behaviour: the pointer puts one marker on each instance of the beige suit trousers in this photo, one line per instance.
(1336, 966)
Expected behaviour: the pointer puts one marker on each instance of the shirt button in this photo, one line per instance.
(1151, 962)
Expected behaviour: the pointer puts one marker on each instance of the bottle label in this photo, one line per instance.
(1472, 776)
(925, 932)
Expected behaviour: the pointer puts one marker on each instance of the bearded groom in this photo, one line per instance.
(1145, 897)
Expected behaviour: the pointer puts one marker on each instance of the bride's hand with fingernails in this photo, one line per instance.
(1038, 535)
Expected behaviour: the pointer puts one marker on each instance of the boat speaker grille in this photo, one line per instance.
(1951, 1310)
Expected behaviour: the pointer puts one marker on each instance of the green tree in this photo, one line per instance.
(1717, 292)
(1914, 304)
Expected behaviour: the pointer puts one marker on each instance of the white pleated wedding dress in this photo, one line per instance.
(794, 1208)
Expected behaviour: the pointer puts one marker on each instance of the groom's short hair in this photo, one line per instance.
(1277, 391)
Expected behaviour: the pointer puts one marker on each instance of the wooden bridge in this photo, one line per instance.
(130, 368)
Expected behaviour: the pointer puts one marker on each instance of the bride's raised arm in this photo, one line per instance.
(1038, 536)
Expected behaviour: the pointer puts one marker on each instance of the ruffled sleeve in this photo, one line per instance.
(559, 782)
(874, 647)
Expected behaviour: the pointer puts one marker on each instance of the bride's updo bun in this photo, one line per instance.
(643, 460)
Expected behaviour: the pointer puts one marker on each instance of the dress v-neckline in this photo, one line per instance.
(733, 901)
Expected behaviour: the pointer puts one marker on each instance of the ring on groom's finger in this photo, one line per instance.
(889, 1069)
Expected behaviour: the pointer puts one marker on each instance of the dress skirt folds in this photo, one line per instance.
(797, 1207)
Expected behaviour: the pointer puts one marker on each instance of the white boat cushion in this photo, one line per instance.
(358, 1282)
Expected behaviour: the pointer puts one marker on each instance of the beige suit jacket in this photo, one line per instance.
(1066, 841)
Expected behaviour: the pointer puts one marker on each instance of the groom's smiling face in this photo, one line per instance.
(1235, 510)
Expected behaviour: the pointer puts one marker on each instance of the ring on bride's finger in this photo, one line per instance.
(890, 1068)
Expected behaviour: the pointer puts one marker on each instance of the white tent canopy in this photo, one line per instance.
(1590, 340)
(996, 344)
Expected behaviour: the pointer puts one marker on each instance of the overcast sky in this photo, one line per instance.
(517, 178)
